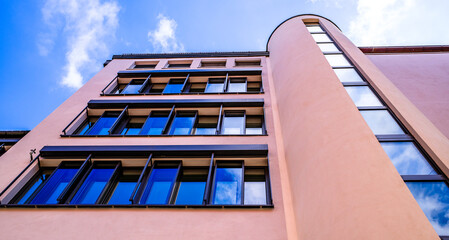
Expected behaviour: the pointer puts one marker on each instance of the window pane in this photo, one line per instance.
(407, 159)
(321, 37)
(174, 86)
(159, 186)
(91, 189)
(337, 60)
(155, 123)
(233, 123)
(433, 198)
(381, 122)
(133, 87)
(348, 75)
(328, 47)
(237, 85)
(103, 124)
(215, 86)
(206, 125)
(36, 183)
(85, 127)
(227, 187)
(54, 186)
(255, 193)
(254, 131)
(182, 124)
(314, 29)
(363, 96)
(124, 189)
(191, 187)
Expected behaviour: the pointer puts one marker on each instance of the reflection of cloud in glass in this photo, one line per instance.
(407, 159)
(363, 96)
(381, 122)
(433, 198)
(255, 193)
(347, 75)
(337, 60)
(227, 188)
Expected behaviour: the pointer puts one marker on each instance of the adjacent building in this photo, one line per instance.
(313, 138)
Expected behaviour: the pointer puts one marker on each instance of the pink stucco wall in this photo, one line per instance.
(424, 79)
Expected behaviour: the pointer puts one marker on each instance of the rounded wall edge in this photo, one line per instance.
(299, 15)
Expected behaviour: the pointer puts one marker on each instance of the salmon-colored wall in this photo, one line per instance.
(138, 223)
(342, 183)
(423, 78)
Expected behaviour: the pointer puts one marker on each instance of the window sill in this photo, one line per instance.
(118, 135)
(130, 206)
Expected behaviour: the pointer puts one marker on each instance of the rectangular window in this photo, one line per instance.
(133, 87)
(150, 66)
(227, 189)
(381, 122)
(247, 62)
(157, 88)
(337, 60)
(32, 187)
(255, 187)
(407, 159)
(123, 188)
(132, 126)
(254, 125)
(174, 86)
(191, 186)
(233, 123)
(103, 124)
(237, 85)
(85, 127)
(328, 47)
(183, 123)
(206, 125)
(160, 184)
(155, 123)
(314, 29)
(215, 85)
(321, 37)
(362, 96)
(347, 75)
(179, 65)
(213, 63)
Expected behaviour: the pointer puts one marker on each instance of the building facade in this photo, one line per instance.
(313, 138)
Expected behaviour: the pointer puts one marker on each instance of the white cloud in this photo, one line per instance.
(88, 26)
(163, 38)
(400, 22)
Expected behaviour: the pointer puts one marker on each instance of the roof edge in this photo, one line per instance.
(190, 55)
(405, 49)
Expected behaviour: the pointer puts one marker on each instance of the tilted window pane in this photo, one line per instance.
(159, 186)
(348, 75)
(155, 123)
(191, 187)
(54, 186)
(33, 186)
(91, 189)
(103, 124)
(86, 126)
(174, 86)
(337, 60)
(407, 159)
(363, 96)
(433, 198)
(328, 47)
(133, 87)
(237, 85)
(228, 186)
(314, 29)
(233, 123)
(215, 86)
(381, 122)
(182, 124)
(124, 189)
(321, 37)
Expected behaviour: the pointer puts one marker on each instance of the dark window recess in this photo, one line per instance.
(247, 63)
(145, 66)
(213, 64)
(179, 65)
(133, 87)
(206, 125)
(157, 87)
(174, 86)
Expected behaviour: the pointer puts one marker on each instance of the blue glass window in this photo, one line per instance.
(103, 124)
(233, 123)
(133, 87)
(215, 85)
(174, 86)
(191, 187)
(160, 185)
(123, 189)
(433, 198)
(54, 186)
(183, 123)
(237, 85)
(363, 96)
(133, 126)
(85, 127)
(35, 184)
(92, 187)
(381, 122)
(155, 123)
(255, 187)
(407, 159)
(228, 185)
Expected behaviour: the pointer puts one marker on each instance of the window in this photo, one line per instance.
(247, 62)
(124, 186)
(255, 186)
(155, 123)
(174, 86)
(347, 75)
(179, 64)
(206, 125)
(191, 186)
(328, 47)
(233, 123)
(228, 184)
(133, 87)
(183, 123)
(314, 29)
(102, 126)
(407, 159)
(337, 60)
(363, 96)
(132, 126)
(160, 184)
(215, 85)
(221, 63)
(144, 65)
(381, 122)
(321, 37)
(237, 85)
(151, 66)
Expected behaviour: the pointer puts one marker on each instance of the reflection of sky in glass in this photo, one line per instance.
(363, 96)
(191, 193)
(159, 186)
(237, 87)
(205, 131)
(381, 122)
(328, 47)
(233, 125)
(33, 188)
(154, 126)
(214, 88)
(182, 125)
(102, 126)
(54, 186)
(253, 131)
(433, 198)
(321, 37)
(407, 159)
(132, 89)
(173, 88)
(255, 193)
(227, 188)
(337, 60)
(313, 29)
(347, 75)
(122, 193)
(92, 186)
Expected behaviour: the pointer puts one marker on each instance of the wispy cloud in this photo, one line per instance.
(163, 37)
(87, 26)
(400, 22)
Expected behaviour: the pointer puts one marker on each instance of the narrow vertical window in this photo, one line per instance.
(133, 126)
(155, 123)
(215, 85)
(124, 187)
(237, 85)
(233, 123)
(183, 123)
(206, 125)
(254, 125)
(255, 187)
(103, 124)
(227, 187)
(160, 184)
(174, 86)
(191, 186)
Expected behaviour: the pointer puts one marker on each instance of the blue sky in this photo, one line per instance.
(49, 48)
